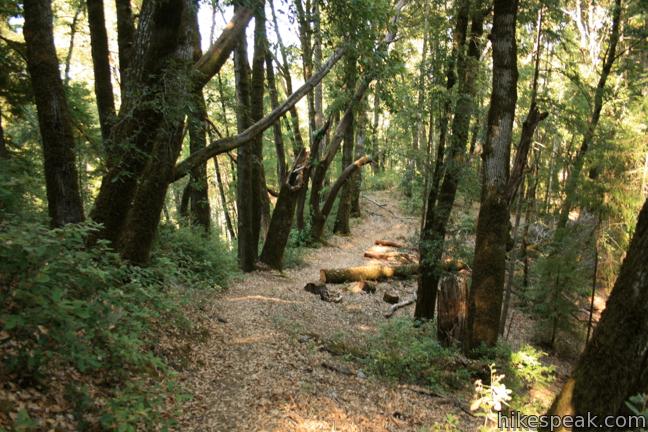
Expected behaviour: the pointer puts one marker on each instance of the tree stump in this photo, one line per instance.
(452, 308)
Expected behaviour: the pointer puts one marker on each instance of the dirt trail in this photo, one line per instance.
(261, 368)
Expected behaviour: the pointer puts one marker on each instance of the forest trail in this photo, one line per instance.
(264, 365)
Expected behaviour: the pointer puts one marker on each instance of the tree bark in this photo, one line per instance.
(125, 38)
(344, 206)
(458, 43)
(101, 67)
(73, 31)
(617, 351)
(174, 18)
(282, 216)
(259, 195)
(285, 71)
(511, 266)
(276, 127)
(140, 123)
(55, 123)
(247, 245)
(356, 181)
(4, 151)
(453, 309)
(441, 199)
(492, 224)
(200, 212)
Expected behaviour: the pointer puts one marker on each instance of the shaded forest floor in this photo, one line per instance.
(274, 358)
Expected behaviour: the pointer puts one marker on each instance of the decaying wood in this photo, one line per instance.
(314, 287)
(452, 304)
(321, 289)
(389, 243)
(368, 272)
(393, 308)
(391, 298)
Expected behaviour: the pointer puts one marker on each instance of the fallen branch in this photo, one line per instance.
(393, 308)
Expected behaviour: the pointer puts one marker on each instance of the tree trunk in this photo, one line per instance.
(320, 216)
(125, 38)
(458, 43)
(73, 31)
(282, 216)
(156, 57)
(492, 224)
(276, 127)
(200, 212)
(511, 266)
(247, 245)
(223, 198)
(317, 64)
(136, 240)
(4, 151)
(101, 67)
(259, 195)
(285, 71)
(55, 123)
(617, 351)
(356, 180)
(453, 309)
(441, 200)
(344, 206)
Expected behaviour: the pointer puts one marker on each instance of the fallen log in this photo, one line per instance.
(368, 272)
(389, 243)
(393, 308)
(391, 256)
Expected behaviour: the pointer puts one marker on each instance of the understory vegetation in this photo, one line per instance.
(80, 319)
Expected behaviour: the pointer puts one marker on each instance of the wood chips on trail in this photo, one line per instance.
(263, 366)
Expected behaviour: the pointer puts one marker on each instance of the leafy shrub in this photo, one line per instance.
(66, 305)
(192, 259)
(527, 366)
